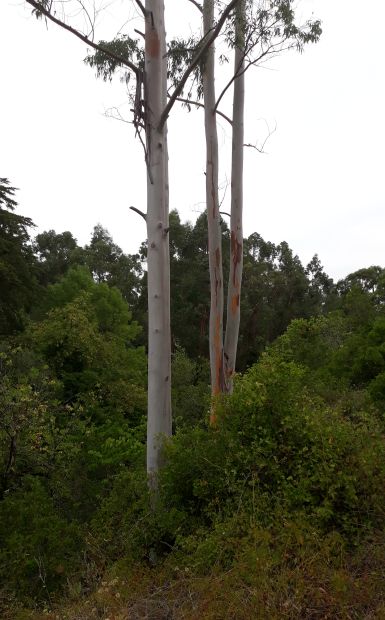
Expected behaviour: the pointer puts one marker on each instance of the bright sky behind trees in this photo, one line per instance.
(319, 186)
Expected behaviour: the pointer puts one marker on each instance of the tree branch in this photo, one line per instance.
(92, 22)
(141, 6)
(197, 5)
(123, 61)
(270, 50)
(116, 115)
(239, 72)
(200, 105)
(261, 149)
(194, 63)
(139, 212)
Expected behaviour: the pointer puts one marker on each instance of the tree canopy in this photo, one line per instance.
(17, 262)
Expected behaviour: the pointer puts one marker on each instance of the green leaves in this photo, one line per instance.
(17, 265)
(45, 5)
(56, 253)
(7, 194)
(124, 47)
(35, 541)
(86, 337)
(180, 54)
(72, 401)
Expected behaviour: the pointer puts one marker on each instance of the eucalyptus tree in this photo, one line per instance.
(163, 73)
(257, 30)
(236, 211)
(213, 216)
(158, 83)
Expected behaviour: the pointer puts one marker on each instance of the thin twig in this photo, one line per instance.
(116, 115)
(226, 185)
(92, 22)
(261, 149)
(141, 6)
(127, 63)
(269, 51)
(238, 72)
(146, 158)
(201, 105)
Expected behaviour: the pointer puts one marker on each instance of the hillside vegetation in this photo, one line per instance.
(277, 512)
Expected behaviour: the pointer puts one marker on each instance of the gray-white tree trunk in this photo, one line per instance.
(213, 217)
(236, 232)
(159, 422)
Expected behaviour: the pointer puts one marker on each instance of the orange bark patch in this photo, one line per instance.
(234, 303)
(153, 44)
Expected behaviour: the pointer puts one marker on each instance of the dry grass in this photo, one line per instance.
(311, 590)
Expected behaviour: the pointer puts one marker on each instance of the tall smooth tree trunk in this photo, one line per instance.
(236, 231)
(159, 422)
(213, 217)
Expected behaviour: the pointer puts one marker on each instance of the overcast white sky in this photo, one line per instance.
(320, 186)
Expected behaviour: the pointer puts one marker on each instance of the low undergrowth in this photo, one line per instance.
(275, 513)
(288, 579)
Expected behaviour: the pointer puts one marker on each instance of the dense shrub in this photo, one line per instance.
(190, 389)
(279, 454)
(39, 549)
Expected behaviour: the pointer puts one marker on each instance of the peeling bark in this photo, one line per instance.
(236, 232)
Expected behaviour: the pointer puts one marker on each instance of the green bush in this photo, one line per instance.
(129, 525)
(278, 454)
(39, 549)
(190, 389)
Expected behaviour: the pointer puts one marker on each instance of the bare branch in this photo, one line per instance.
(238, 73)
(123, 61)
(92, 21)
(202, 49)
(197, 5)
(146, 159)
(272, 48)
(116, 115)
(225, 186)
(139, 212)
(257, 148)
(198, 104)
(141, 6)
(261, 149)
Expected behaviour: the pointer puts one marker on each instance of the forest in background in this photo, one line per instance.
(278, 512)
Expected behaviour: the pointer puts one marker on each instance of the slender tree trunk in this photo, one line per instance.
(236, 232)
(159, 340)
(213, 217)
(167, 224)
